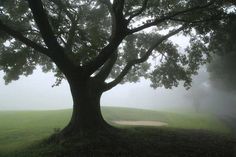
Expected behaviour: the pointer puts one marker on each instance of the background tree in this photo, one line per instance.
(88, 41)
(222, 68)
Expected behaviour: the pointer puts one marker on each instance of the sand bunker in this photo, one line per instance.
(141, 123)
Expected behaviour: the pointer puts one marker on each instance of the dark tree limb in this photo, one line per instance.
(103, 56)
(17, 35)
(169, 16)
(119, 32)
(64, 63)
(144, 58)
(71, 37)
(215, 17)
(118, 6)
(42, 22)
(119, 23)
(106, 69)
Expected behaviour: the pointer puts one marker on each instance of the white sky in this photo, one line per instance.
(35, 92)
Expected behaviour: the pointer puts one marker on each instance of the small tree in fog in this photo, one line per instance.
(95, 45)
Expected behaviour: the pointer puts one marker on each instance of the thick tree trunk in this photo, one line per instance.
(86, 115)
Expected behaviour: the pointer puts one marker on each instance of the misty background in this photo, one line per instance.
(35, 92)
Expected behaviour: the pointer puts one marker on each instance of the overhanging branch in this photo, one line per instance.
(144, 58)
(17, 35)
(119, 32)
(64, 63)
(106, 69)
(42, 22)
(169, 16)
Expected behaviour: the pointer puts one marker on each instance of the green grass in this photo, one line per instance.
(20, 129)
(174, 120)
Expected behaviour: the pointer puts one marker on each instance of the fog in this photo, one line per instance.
(35, 93)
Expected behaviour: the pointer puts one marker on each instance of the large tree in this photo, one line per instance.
(97, 44)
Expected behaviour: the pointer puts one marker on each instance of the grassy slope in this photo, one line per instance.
(174, 120)
(19, 129)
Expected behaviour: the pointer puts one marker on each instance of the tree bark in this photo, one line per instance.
(86, 116)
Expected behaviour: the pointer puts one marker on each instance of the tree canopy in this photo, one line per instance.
(125, 35)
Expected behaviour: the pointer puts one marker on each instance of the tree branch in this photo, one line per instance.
(119, 32)
(119, 23)
(103, 56)
(118, 6)
(215, 17)
(144, 6)
(169, 16)
(106, 69)
(64, 63)
(144, 58)
(17, 35)
(42, 22)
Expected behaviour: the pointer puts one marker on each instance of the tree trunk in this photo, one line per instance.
(86, 116)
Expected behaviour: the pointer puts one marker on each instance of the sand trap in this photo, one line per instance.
(141, 123)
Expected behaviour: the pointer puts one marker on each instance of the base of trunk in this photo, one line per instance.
(87, 117)
(77, 128)
(76, 133)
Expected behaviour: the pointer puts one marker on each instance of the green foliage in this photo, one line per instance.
(83, 28)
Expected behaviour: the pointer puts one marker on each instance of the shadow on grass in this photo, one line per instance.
(136, 142)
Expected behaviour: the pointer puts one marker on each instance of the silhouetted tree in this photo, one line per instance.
(222, 69)
(88, 41)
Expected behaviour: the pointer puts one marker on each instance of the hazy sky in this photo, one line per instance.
(35, 92)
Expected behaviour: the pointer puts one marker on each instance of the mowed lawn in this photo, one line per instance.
(19, 129)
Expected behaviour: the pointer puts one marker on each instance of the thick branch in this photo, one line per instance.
(63, 62)
(106, 69)
(119, 23)
(119, 31)
(71, 37)
(144, 58)
(118, 6)
(17, 35)
(103, 56)
(42, 22)
(215, 17)
(169, 16)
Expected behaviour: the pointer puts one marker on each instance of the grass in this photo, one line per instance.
(21, 129)
(174, 120)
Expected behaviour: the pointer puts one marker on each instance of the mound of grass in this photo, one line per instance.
(136, 142)
(20, 129)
